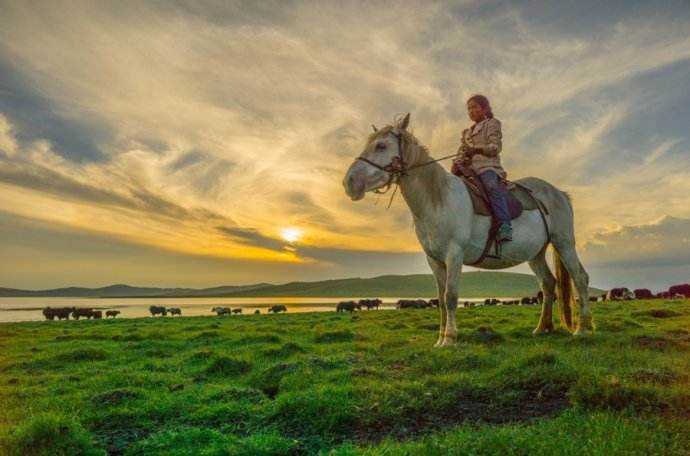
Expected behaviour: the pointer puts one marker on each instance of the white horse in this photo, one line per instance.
(451, 234)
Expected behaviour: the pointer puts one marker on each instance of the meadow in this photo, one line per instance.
(363, 383)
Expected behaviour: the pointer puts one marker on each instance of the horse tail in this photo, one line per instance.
(564, 292)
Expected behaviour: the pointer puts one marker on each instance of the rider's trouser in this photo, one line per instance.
(498, 194)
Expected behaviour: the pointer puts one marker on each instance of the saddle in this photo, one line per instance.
(520, 198)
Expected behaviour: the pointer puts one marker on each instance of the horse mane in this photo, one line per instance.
(416, 153)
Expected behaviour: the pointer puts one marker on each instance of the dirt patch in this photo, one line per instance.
(115, 397)
(654, 343)
(259, 339)
(268, 381)
(660, 377)
(482, 335)
(657, 313)
(472, 405)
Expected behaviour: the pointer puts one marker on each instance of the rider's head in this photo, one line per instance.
(478, 108)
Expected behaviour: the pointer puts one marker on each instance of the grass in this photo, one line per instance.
(367, 383)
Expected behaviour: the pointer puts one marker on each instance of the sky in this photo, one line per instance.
(200, 143)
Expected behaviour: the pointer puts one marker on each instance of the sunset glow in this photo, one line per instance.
(291, 234)
(199, 151)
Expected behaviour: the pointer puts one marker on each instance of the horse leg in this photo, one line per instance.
(453, 270)
(548, 286)
(439, 270)
(581, 279)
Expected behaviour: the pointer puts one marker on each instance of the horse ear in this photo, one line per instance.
(374, 127)
(405, 122)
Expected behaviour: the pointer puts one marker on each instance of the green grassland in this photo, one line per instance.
(367, 383)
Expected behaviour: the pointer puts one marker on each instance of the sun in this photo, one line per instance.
(291, 234)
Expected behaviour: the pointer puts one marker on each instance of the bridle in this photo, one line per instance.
(397, 168)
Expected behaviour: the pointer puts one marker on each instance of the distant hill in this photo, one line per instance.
(472, 285)
(125, 291)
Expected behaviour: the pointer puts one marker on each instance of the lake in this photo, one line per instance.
(29, 309)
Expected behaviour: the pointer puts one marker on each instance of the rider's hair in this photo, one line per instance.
(482, 101)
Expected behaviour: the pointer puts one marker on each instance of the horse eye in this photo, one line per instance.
(380, 146)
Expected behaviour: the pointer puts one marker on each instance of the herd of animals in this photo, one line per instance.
(64, 313)
(615, 294)
(351, 306)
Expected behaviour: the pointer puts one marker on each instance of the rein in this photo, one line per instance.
(396, 169)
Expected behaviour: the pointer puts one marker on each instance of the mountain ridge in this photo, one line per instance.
(472, 284)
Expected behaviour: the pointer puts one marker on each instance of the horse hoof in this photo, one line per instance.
(539, 331)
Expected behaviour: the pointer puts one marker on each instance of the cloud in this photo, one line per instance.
(159, 123)
(76, 136)
(663, 243)
(252, 237)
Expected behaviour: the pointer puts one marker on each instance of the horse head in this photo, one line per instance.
(381, 161)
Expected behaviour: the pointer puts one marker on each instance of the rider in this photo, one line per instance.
(481, 144)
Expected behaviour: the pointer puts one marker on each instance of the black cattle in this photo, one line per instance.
(619, 294)
(347, 306)
(412, 304)
(277, 309)
(643, 293)
(683, 289)
(237, 311)
(158, 310)
(112, 313)
(97, 315)
(220, 311)
(175, 311)
(82, 312)
(434, 302)
(370, 303)
(61, 313)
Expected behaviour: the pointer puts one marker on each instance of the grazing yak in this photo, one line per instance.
(61, 313)
(347, 306)
(411, 304)
(158, 310)
(683, 289)
(277, 309)
(237, 311)
(112, 313)
(643, 293)
(619, 294)
(370, 303)
(220, 311)
(175, 311)
(82, 312)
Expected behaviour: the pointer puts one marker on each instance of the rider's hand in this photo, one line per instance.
(470, 151)
(457, 164)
